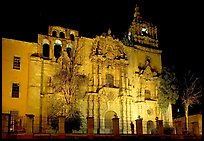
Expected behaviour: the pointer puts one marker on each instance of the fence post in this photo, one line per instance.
(160, 127)
(115, 126)
(5, 124)
(90, 125)
(178, 127)
(29, 123)
(61, 124)
(139, 126)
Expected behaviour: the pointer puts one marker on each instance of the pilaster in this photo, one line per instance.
(29, 123)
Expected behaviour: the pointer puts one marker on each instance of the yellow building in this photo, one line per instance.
(122, 75)
(195, 124)
(15, 72)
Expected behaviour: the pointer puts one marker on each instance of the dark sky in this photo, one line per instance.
(179, 24)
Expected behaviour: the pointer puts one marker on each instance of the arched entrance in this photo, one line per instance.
(108, 121)
(150, 127)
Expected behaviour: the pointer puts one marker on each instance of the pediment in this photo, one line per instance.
(147, 73)
(108, 48)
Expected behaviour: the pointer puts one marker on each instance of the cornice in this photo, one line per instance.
(157, 51)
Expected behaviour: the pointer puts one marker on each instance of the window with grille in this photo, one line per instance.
(16, 63)
(15, 90)
(13, 121)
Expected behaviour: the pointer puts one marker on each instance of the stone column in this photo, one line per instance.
(52, 50)
(159, 124)
(99, 75)
(139, 130)
(115, 126)
(128, 115)
(124, 116)
(126, 82)
(61, 124)
(95, 74)
(122, 81)
(90, 83)
(90, 125)
(97, 113)
(29, 123)
(91, 105)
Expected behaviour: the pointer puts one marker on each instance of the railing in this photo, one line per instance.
(13, 124)
(102, 126)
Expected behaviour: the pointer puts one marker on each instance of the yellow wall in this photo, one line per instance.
(191, 119)
(11, 48)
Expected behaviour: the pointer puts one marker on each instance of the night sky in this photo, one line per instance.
(179, 24)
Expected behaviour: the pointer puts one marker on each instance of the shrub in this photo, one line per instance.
(168, 130)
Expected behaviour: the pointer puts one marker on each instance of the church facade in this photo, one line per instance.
(122, 75)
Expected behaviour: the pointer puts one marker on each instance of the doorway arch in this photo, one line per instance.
(108, 121)
(150, 127)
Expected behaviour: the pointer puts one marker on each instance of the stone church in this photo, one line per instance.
(122, 74)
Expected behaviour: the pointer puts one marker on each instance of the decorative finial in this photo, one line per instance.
(109, 31)
(137, 11)
(156, 118)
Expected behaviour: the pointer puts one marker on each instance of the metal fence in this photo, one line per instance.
(12, 124)
(103, 126)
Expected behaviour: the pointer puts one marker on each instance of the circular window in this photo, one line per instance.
(149, 111)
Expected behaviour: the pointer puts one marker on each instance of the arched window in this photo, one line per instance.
(69, 49)
(57, 49)
(54, 33)
(109, 80)
(62, 35)
(144, 31)
(46, 50)
(72, 37)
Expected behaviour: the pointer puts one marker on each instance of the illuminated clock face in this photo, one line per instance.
(144, 31)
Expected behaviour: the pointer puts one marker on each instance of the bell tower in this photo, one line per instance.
(141, 32)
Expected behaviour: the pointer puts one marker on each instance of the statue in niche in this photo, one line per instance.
(147, 63)
(90, 79)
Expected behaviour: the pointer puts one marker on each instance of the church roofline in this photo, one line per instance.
(17, 40)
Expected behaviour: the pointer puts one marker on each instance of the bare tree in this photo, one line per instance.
(192, 92)
(66, 84)
(67, 78)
